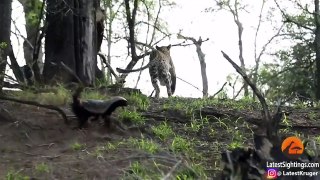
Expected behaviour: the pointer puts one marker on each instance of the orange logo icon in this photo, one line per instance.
(292, 147)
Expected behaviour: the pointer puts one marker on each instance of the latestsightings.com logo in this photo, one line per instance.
(292, 147)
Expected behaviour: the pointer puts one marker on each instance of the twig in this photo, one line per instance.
(290, 20)
(235, 96)
(51, 157)
(190, 84)
(68, 70)
(26, 153)
(33, 103)
(221, 89)
(167, 176)
(49, 145)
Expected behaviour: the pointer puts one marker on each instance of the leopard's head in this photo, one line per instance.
(164, 49)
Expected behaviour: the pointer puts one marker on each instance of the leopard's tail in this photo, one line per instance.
(173, 80)
(133, 70)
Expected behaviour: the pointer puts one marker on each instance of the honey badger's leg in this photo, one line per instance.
(82, 121)
(154, 77)
(95, 117)
(107, 121)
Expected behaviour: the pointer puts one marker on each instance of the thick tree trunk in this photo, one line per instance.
(5, 31)
(71, 38)
(86, 65)
(317, 48)
(60, 41)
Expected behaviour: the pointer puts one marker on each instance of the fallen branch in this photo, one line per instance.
(266, 114)
(167, 176)
(68, 70)
(33, 103)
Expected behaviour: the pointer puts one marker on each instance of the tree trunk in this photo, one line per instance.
(5, 32)
(31, 7)
(71, 38)
(88, 43)
(59, 42)
(201, 57)
(131, 19)
(317, 48)
(203, 66)
(243, 67)
(110, 19)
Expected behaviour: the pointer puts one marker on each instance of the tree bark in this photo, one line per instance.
(201, 57)
(5, 32)
(71, 38)
(60, 41)
(317, 48)
(88, 45)
(243, 67)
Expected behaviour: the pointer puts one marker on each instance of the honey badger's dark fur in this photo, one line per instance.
(83, 114)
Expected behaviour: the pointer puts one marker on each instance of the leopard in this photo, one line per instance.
(161, 68)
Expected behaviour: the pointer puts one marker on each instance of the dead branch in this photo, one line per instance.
(221, 89)
(33, 103)
(264, 47)
(184, 44)
(266, 114)
(235, 13)
(131, 20)
(68, 70)
(15, 66)
(108, 66)
(37, 45)
(152, 36)
(156, 22)
(144, 55)
(167, 176)
(201, 57)
(238, 93)
(189, 84)
(290, 20)
(5, 115)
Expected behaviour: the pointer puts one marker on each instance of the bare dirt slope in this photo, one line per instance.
(37, 144)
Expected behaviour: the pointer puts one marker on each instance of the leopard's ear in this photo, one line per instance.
(158, 48)
(168, 47)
